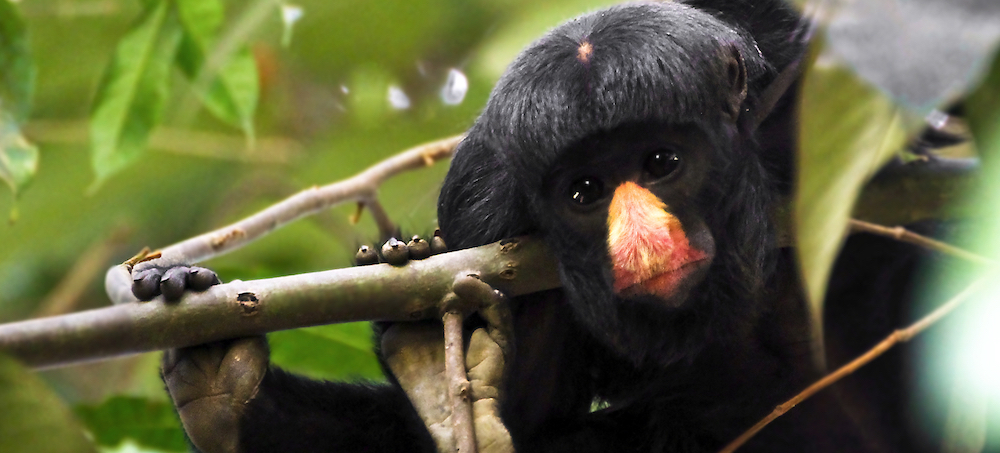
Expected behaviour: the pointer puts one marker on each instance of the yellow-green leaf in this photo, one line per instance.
(133, 94)
(17, 71)
(151, 424)
(963, 368)
(18, 157)
(32, 418)
(339, 351)
(229, 89)
(848, 131)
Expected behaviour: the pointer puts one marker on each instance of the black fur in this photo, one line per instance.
(685, 380)
(652, 63)
(680, 380)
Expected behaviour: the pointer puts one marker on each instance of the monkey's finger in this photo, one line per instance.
(395, 252)
(201, 278)
(437, 243)
(419, 248)
(366, 255)
(146, 283)
(174, 282)
(492, 307)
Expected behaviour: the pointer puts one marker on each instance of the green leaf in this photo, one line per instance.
(129, 446)
(229, 92)
(32, 418)
(983, 106)
(18, 157)
(962, 369)
(339, 351)
(848, 131)
(132, 96)
(17, 70)
(152, 424)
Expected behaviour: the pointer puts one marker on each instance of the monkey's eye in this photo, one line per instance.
(661, 163)
(586, 190)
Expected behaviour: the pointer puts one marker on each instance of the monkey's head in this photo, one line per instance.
(622, 138)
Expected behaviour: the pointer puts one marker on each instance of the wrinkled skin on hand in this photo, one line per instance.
(211, 385)
(415, 354)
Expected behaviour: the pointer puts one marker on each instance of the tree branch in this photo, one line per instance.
(896, 337)
(902, 234)
(458, 383)
(361, 187)
(238, 309)
(916, 191)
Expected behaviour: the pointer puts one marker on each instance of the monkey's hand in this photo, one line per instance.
(414, 352)
(211, 384)
(151, 281)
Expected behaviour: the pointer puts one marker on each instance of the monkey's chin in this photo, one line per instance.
(670, 287)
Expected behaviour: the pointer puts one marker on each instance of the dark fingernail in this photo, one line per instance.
(146, 284)
(419, 248)
(174, 282)
(437, 243)
(395, 252)
(366, 255)
(202, 278)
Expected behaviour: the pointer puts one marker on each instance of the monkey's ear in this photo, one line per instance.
(480, 202)
(736, 78)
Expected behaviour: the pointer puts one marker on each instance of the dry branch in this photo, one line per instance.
(902, 234)
(237, 309)
(458, 383)
(362, 187)
(917, 191)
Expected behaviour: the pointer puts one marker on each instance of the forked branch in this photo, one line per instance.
(362, 188)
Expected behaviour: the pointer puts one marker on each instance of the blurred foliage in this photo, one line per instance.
(961, 371)
(149, 423)
(34, 419)
(848, 125)
(18, 157)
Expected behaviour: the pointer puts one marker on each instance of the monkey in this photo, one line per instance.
(640, 143)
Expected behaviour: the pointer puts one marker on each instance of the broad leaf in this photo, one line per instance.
(132, 96)
(32, 418)
(340, 351)
(848, 131)
(230, 92)
(18, 157)
(152, 424)
(964, 365)
(17, 71)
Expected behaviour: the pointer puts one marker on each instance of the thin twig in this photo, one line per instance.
(66, 295)
(474, 294)
(362, 186)
(458, 383)
(184, 141)
(902, 234)
(898, 336)
(386, 228)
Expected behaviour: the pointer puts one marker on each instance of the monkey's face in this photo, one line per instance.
(632, 193)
